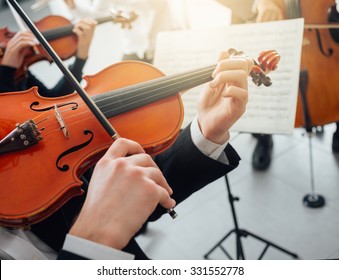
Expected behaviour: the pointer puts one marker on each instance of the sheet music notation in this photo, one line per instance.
(269, 110)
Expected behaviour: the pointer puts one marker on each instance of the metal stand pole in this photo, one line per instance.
(312, 200)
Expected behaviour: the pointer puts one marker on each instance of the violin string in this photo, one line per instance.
(156, 94)
(57, 32)
(161, 87)
(169, 82)
(168, 86)
(45, 134)
(50, 120)
(39, 116)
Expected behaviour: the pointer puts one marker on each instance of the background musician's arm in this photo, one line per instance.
(17, 49)
(255, 10)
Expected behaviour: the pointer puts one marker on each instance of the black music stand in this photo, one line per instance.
(242, 233)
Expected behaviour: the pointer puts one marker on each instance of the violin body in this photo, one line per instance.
(36, 181)
(320, 59)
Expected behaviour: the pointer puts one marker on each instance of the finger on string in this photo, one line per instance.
(90, 21)
(236, 77)
(78, 31)
(237, 93)
(223, 55)
(233, 64)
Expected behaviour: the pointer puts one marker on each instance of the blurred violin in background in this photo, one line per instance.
(58, 32)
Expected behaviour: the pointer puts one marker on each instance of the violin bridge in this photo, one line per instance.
(61, 121)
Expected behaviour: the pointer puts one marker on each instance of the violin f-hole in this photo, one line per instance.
(65, 167)
(36, 104)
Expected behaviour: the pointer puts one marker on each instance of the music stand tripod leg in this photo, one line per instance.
(242, 233)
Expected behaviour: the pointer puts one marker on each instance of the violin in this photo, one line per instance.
(48, 143)
(58, 32)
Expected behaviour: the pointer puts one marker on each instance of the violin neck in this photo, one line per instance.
(131, 97)
(67, 30)
(59, 32)
(104, 19)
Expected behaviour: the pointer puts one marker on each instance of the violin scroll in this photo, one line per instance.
(125, 19)
(267, 62)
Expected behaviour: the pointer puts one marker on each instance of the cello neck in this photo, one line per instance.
(118, 101)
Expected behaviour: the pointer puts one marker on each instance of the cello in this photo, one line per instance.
(319, 59)
(141, 104)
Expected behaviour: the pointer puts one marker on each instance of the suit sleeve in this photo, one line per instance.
(63, 87)
(187, 170)
(7, 74)
(65, 255)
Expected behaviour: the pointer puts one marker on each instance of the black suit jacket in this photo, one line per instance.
(63, 87)
(186, 169)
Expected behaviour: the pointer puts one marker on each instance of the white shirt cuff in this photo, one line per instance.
(208, 148)
(92, 250)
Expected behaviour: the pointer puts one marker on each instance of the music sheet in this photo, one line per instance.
(270, 109)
